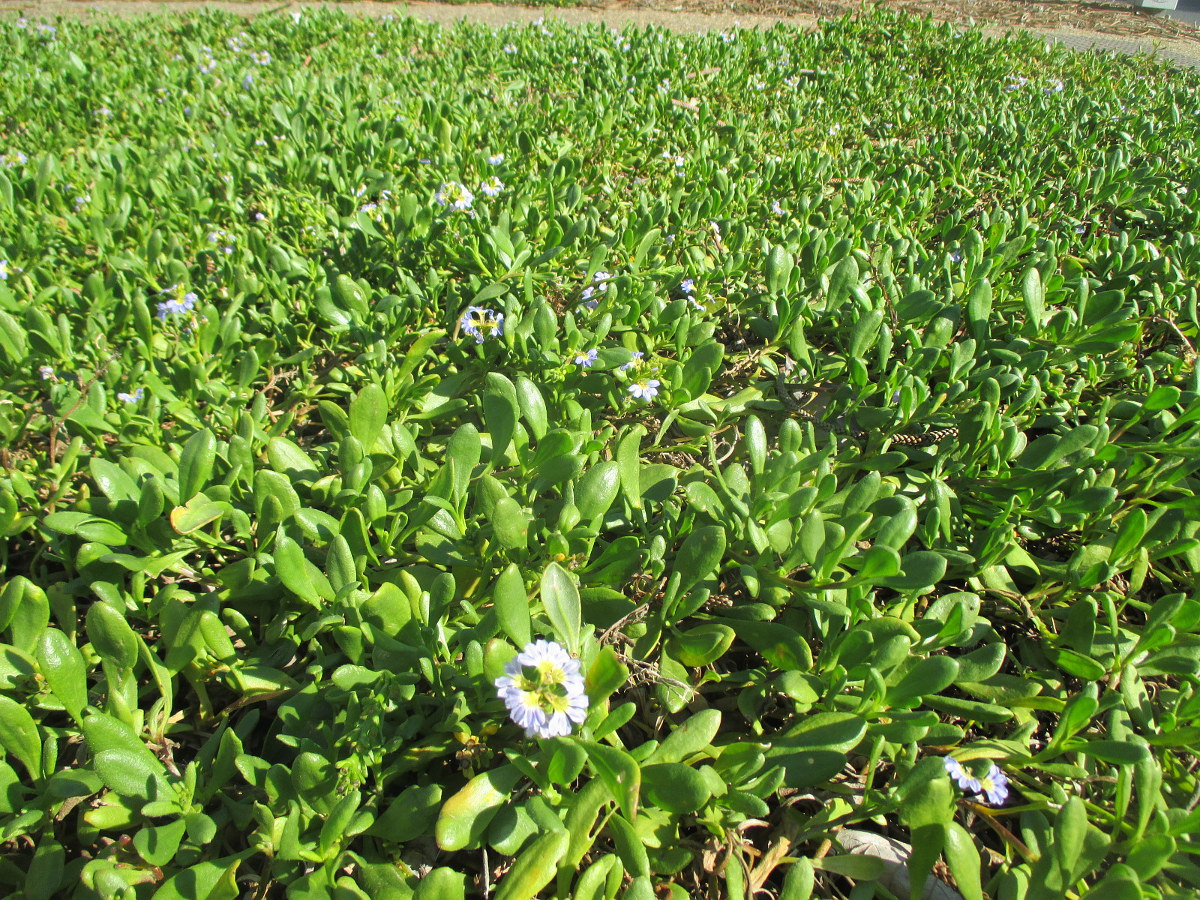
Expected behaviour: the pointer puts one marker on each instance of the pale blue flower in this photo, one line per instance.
(524, 706)
(688, 285)
(131, 398)
(645, 390)
(625, 367)
(960, 776)
(482, 323)
(543, 688)
(994, 786)
(587, 360)
(3, 270)
(13, 158)
(454, 195)
(496, 159)
(47, 373)
(492, 186)
(178, 304)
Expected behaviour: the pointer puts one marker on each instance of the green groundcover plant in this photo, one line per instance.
(397, 499)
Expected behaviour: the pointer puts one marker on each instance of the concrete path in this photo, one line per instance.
(1185, 11)
(1181, 52)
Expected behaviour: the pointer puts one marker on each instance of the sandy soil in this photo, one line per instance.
(1115, 17)
(1073, 21)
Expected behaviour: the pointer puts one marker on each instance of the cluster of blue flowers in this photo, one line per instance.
(543, 690)
(688, 287)
(222, 239)
(646, 389)
(600, 280)
(642, 389)
(178, 304)
(993, 785)
(454, 195)
(482, 323)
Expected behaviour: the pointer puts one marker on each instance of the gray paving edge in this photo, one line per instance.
(1179, 52)
(1118, 45)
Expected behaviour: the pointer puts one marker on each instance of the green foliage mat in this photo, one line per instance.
(304, 438)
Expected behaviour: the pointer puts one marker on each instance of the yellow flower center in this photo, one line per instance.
(542, 687)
